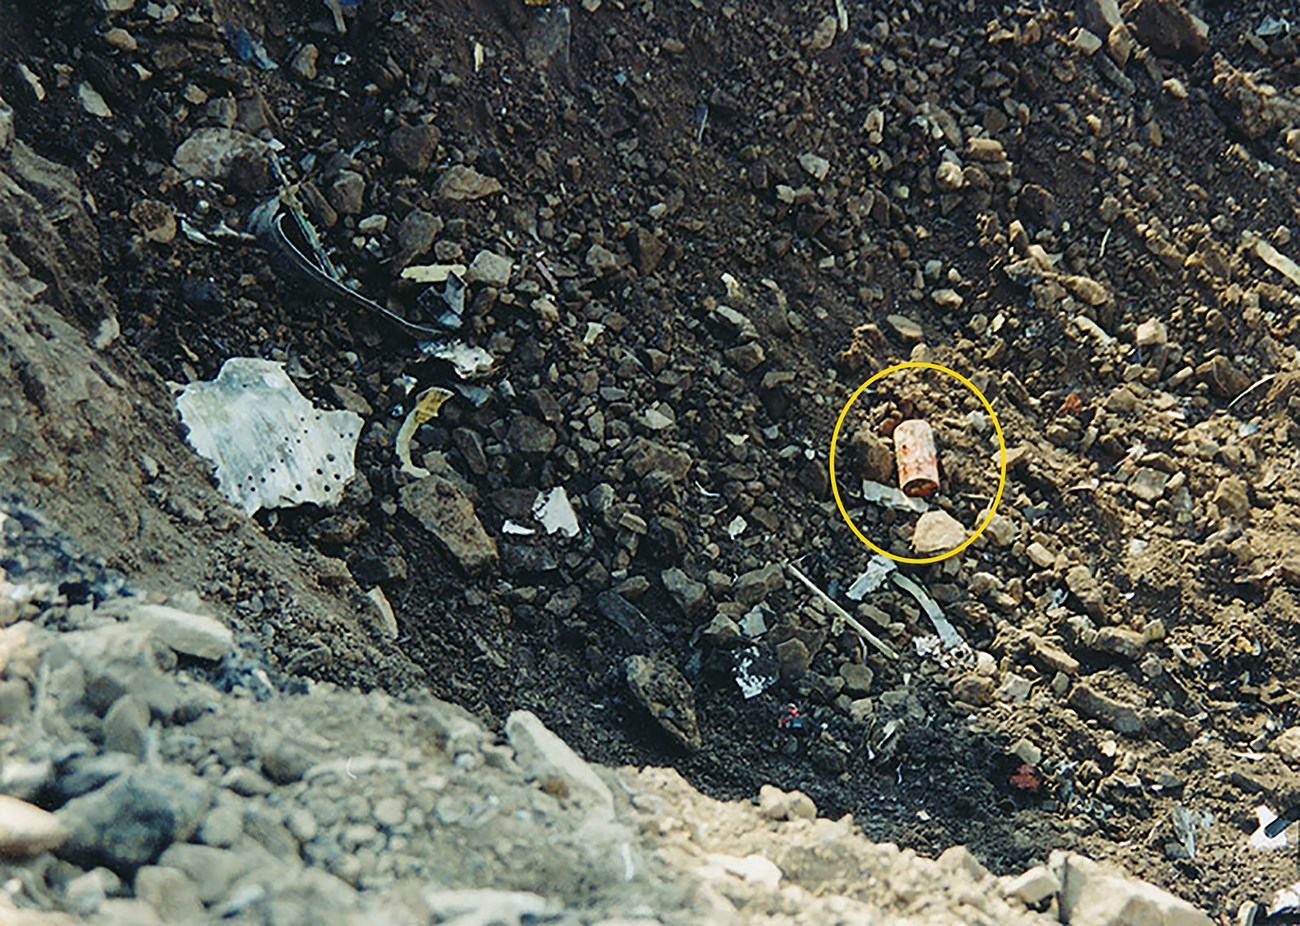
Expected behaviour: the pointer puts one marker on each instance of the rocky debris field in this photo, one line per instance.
(191, 783)
(687, 235)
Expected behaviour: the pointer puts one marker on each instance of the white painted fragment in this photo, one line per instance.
(555, 513)
(272, 448)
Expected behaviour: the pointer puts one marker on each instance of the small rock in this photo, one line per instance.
(600, 260)
(937, 532)
(304, 61)
(284, 761)
(547, 759)
(1168, 29)
(1223, 377)
(647, 250)
(92, 102)
(348, 193)
(446, 512)
(126, 726)
(974, 689)
(857, 678)
(383, 618)
(1289, 570)
(1002, 530)
(372, 225)
(1152, 333)
(754, 586)
(491, 269)
(690, 596)
(1100, 15)
(1120, 641)
(1087, 42)
(1287, 745)
(169, 892)
(664, 692)
(1033, 886)
(986, 150)
(905, 328)
(1086, 289)
(129, 822)
(1232, 498)
(1014, 689)
(794, 658)
(823, 35)
(775, 804)
(1026, 752)
(1120, 717)
(746, 357)
(530, 437)
(156, 220)
(26, 830)
(461, 182)
(815, 166)
(1092, 895)
(414, 145)
(1085, 587)
(722, 631)
(189, 634)
(1148, 484)
(227, 155)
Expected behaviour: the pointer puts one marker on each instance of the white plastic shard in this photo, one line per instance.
(272, 448)
(554, 512)
(878, 569)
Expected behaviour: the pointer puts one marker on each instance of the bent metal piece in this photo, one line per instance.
(293, 242)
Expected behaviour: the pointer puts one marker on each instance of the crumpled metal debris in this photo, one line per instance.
(296, 250)
(754, 673)
(467, 362)
(948, 635)
(272, 448)
(890, 497)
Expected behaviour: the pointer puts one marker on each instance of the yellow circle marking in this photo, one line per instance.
(1002, 449)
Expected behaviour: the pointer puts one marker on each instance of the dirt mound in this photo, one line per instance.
(689, 235)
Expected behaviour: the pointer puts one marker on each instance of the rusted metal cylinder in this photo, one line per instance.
(918, 461)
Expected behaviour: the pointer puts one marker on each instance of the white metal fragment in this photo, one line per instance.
(892, 497)
(752, 683)
(469, 362)
(947, 633)
(877, 571)
(736, 527)
(555, 513)
(272, 448)
(432, 273)
(512, 528)
(1261, 841)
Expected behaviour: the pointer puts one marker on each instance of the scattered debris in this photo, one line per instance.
(555, 513)
(839, 612)
(890, 497)
(425, 407)
(947, 633)
(272, 448)
(878, 569)
(918, 460)
(755, 671)
(468, 362)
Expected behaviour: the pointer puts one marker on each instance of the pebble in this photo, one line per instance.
(857, 678)
(937, 532)
(304, 61)
(775, 804)
(814, 165)
(225, 154)
(414, 145)
(26, 829)
(490, 269)
(689, 595)
(390, 811)
(194, 635)
(126, 726)
(461, 182)
(347, 194)
(907, 329)
(1232, 498)
(664, 692)
(444, 510)
(129, 821)
(156, 220)
(169, 892)
(548, 760)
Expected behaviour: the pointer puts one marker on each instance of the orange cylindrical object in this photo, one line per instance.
(918, 461)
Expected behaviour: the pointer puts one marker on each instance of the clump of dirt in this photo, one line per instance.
(690, 234)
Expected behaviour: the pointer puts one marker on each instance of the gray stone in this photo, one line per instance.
(414, 145)
(689, 595)
(284, 761)
(347, 194)
(647, 249)
(1092, 895)
(1100, 16)
(123, 659)
(530, 437)
(223, 825)
(600, 260)
(189, 634)
(547, 759)
(445, 511)
(213, 871)
(754, 586)
(129, 822)
(1085, 587)
(547, 44)
(169, 892)
(26, 829)
(126, 725)
(304, 61)
(794, 658)
(225, 155)
(1166, 28)
(461, 182)
(1033, 886)
(645, 456)
(490, 268)
(1120, 717)
(905, 328)
(1148, 484)
(1287, 745)
(658, 687)
(1232, 498)
(857, 678)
